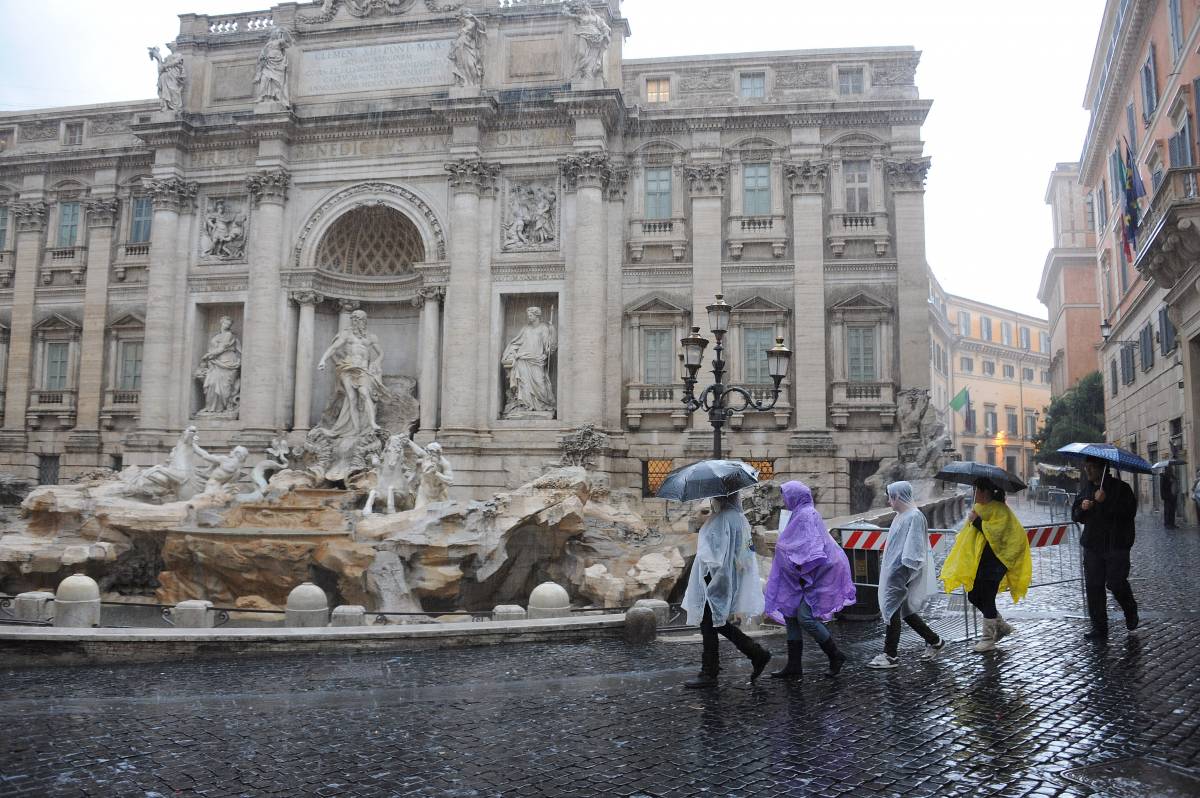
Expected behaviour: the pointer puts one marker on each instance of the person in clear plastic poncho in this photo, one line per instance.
(906, 577)
(724, 583)
(990, 554)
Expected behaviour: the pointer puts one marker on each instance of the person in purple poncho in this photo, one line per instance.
(809, 582)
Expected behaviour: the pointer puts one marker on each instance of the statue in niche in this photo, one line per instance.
(220, 373)
(270, 76)
(592, 38)
(358, 361)
(466, 54)
(531, 217)
(434, 474)
(526, 362)
(171, 77)
(224, 233)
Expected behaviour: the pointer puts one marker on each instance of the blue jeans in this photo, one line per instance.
(804, 618)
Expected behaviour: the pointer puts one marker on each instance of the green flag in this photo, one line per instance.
(960, 400)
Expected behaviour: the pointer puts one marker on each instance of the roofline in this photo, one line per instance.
(906, 49)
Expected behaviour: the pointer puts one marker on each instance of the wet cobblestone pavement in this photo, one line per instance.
(606, 719)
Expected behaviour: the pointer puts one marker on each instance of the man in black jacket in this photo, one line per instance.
(1107, 514)
(1166, 490)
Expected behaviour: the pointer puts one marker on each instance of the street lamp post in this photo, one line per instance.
(721, 400)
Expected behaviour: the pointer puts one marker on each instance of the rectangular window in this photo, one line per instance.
(1179, 146)
(73, 133)
(1149, 77)
(991, 454)
(1030, 423)
(850, 80)
(1112, 375)
(658, 90)
(1102, 216)
(1027, 375)
(3, 227)
(985, 328)
(1091, 210)
(47, 469)
(1010, 416)
(989, 420)
(1024, 333)
(130, 378)
(1006, 333)
(56, 366)
(969, 421)
(1045, 377)
(1166, 331)
(68, 224)
(966, 364)
(754, 85)
(1043, 343)
(989, 368)
(756, 189)
(141, 218)
(1010, 463)
(857, 179)
(1146, 340)
(964, 323)
(968, 451)
(860, 354)
(755, 343)
(658, 193)
(1009, 372)
(658, 356)
(1114, 176)
(1128, 370)
(1131, 124)
(1176, 16)
(653, 474)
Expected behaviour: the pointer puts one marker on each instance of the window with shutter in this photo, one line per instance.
(68, 224)
(1175, 13)
(142, 218)
(658, 193)
(131, 366)
(56, 366)
(1112, 375)
(756, 189)
(1166, 335)
(1131, 123)
(3, 227)
(658, 356)
(860, 353)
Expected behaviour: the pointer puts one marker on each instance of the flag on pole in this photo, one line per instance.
(1132, 190)
(960, 400)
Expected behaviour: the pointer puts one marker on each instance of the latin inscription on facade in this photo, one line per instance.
(403, 65)
(367, 148)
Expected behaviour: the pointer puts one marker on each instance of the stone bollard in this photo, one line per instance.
(641, 625)
(193, 614)
(549, 600)
(348, 615)
(35, 606)
(508, 612)
(662, 610)
(306, 607)
(77, 602)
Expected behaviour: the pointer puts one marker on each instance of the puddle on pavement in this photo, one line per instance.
(1136, 778)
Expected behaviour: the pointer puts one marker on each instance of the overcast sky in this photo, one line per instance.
(1007, 80)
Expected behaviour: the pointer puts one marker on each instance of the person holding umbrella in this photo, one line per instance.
(724, 580)
(990, 554)
(1107, 512)
(809, 581)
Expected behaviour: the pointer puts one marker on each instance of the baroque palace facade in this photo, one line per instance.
(445, 167)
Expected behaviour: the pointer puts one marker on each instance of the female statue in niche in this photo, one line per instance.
(220, 372)
(526, 360)
(270, 76)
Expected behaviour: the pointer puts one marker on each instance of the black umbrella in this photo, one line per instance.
(707, 478)
(965, 472)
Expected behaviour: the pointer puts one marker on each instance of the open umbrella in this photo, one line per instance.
(1161, 464)
(707, 478)
(1111, 455)
(965, 472)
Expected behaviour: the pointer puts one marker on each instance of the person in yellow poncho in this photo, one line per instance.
(990, 554)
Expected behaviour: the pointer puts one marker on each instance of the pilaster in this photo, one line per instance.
(305, 354)
(906, 178)
(30, 224)
(806, 183)
(429, 300)
(707, 183)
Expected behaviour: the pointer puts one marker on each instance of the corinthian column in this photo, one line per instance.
(586, 288)
(262, 343)
(906, 178)
(30, 222)
(429, 300)
(305, 353)
(101, 219)
(806, 182)
(462, 334)
(171, 197)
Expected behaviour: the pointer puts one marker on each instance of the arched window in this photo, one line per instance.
(372, 241)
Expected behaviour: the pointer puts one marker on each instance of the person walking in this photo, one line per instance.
(809, 581)
(905, 577)
(990, 554)
(1106, 510)
(1166, 490)
(724, 583)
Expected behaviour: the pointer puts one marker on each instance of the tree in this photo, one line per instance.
(1077, 415)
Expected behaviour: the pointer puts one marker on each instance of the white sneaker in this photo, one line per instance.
(883, 661)
(931, 652)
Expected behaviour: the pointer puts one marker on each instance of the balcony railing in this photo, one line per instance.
(141, 250)
(7, 268)
(240, 23)
(875, 397)
(71, 260)
(844, 227)
(648, 233)
(1174, 217)
(119, 403)
(42, 403)
(745, 230)
(642, 399)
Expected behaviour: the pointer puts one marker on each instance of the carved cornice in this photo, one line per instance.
(102, 211)
(30, 217)
(807, 177)
(172, 194)
(269, 185)
(708, 179)
(908, 174)
(586, 170)
(432, 293)
(472, 175)
(307, 297)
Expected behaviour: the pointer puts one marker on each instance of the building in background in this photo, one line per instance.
(1142, 97)
(1002, 359)
(1068, 285)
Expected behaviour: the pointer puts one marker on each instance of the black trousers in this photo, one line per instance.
(1169, 512)
(891, 641)
(708, 634)
(1106, 569)
(987, 583)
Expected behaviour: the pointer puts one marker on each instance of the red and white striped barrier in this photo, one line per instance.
(874, 539)
(1051, 535)
(864, 539)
